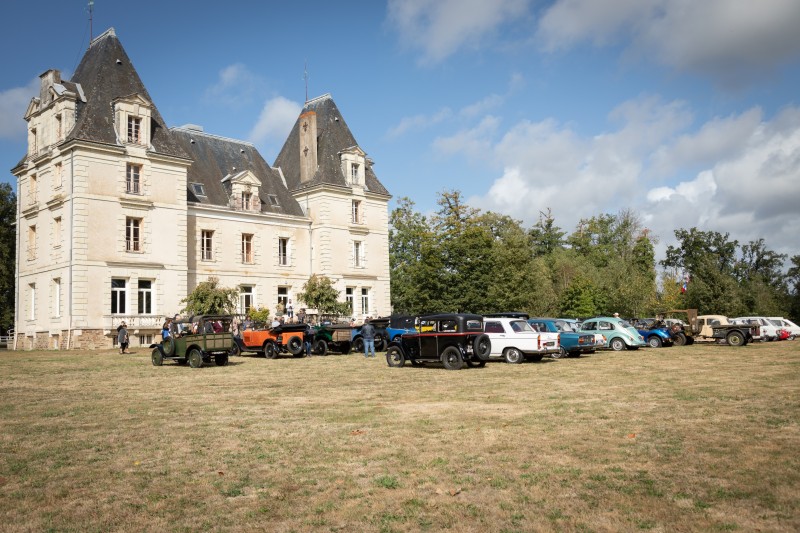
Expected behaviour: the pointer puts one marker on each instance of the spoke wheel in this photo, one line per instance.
(395, 357)
(451, 358)
(321, 347)
(735, 338)
(157, 357)
(195, 358)
(270, 350)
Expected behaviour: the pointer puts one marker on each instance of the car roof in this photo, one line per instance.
(450, 316)
(509, 314)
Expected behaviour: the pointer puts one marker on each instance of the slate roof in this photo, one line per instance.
(106, 73)
(333, 136)
(215, 157)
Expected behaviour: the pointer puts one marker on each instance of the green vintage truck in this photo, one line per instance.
(199, 340)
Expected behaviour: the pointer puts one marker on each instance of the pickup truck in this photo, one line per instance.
(716, 328)
(571, 343)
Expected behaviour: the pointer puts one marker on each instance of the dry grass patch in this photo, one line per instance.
(698, 438)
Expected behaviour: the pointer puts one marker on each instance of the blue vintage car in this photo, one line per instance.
(571, 343)
(654, 334)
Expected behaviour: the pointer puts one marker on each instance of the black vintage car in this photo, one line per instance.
(450, 338)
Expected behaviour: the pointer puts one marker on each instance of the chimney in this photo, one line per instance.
(308, 146)
(48, 78)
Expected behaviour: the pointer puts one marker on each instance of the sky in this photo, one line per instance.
(684, 111)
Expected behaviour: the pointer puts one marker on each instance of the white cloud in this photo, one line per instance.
(747, 185)
(472, 142)
(419, 122)
(235, 86)
(441, 27)
(13, 103)
(275, 121)
(725, 39)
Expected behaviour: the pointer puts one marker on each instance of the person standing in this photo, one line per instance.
(308, 336)
(289, 309)
(368, 336)
(122, 337)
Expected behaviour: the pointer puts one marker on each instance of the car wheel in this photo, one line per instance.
(168, 347)
(679, 339)
(380, 343)
(513, 356)
(482, 346)
(562, 352)
(617, 344)
(195, 358)
(689, 341)
(157, 357)
(346, 347)
(735, 338)
(395, 357)
(270, 350)
(295, 346)
(321, 347)
(451, 358)
(654, 341)
(475, 364)
(221, 359)
(358, 345)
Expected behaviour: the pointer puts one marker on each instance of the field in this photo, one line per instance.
(698, 438)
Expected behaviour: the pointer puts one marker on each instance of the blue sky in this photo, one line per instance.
(686, 112)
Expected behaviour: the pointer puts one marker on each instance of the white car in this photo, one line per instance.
(769, 330)
(788, 325)
(515, 340)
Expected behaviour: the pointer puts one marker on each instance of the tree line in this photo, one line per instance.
(462, 259)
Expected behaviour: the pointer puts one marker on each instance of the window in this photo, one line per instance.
(247, 201)
(365, 301)
(33, 188)
(356, 212)
(32, 290)
(247, 248)
(354, 173)
(283, 251)
(348, 298)
(283, 296)
(59, 131)
(56, 297)
(134, 130)
(132, 234)
(117, 296)
(57, 175)
(358, 259)
(493, 327)
(273, 200)
(132, 178)
(34, 146)
(146, 340)
(246, 299)
(206, 245)
(57, 232)
(145, 295)
(31, 243)
(198, 189)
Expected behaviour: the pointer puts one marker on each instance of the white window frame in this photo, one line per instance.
(248, 255)
(206, 245)
(33, 189)
(283, 296)
(32, 289)
(356, 211)
(56, 297)
(358, 254)
(134, 131)
(146, 294)
(365, 300)
(119, 296)
(58, 175)
(133, 234)
(349, 293)
(247, 298)
(354, 172)
(283, 251)
(57, 232)
(31, 242)
(133, 178)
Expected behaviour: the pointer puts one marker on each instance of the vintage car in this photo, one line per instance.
(788, 325)
(619, 333)
(399, 324)
(332, 338)
(600, 340)
(381, 335)
(718, 328)
(453, 339)
(515, 340)
(656, 333)
(768, 328)
(570, 342)
(202, 338)
(286, 338)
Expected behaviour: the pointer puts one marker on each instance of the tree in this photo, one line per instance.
(582, 299)
(208, 298)
(8, 255)
(320, 294)
(546, 237)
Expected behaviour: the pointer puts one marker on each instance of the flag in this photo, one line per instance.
(685, 283)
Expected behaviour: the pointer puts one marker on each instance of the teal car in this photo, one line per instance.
(619, 333)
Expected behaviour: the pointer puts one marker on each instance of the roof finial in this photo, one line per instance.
(305, 77)
(91, 10)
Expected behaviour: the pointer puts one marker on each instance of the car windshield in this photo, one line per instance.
(776, 323)
(625, 324)
(520, 326)
(563, 326)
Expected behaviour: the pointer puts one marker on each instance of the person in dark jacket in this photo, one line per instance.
(122, 337)
(368, 336)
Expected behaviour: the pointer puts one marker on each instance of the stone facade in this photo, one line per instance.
(119, 217)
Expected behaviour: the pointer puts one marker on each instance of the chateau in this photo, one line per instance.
(119, 217)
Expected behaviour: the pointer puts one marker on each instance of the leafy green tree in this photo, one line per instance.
(319, 293)
(546, 237)
(208, 298)
(8, 256)
(793, 280)
(582, 299)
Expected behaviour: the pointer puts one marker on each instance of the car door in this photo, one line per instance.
(497, 336)
(429, 340)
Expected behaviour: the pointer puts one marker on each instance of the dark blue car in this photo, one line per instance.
(572, 343)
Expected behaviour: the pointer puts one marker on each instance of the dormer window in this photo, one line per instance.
(273, 200)
(198, 189)
(354, 173)
(134, 130)
(247, 201)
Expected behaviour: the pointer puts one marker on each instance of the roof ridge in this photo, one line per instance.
(108, 33)
(321, 97)
(220, 137)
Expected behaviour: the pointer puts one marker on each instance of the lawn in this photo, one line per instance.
(697, 438)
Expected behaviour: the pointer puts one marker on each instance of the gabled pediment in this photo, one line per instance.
(354, 150)
(33, 107)
(133, 99)
(244, 177)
